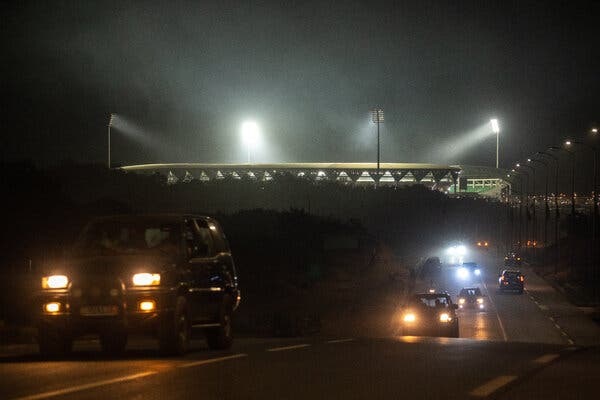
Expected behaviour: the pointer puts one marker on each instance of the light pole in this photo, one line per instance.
(528, 212)
(595, 151)
(377, 118)
(572, 224)
(496, 130)
(556, 210)
(110, 123)
(520, 174)
(250, 133)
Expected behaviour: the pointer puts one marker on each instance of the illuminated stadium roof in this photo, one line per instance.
(345, 172)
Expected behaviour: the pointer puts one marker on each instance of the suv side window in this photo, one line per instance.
(221, 245)
(198, 240)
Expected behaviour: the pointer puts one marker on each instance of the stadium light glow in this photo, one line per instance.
(250, 135)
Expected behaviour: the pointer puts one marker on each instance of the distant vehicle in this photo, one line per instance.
(468, 270)
(156, 274)
(483, 244)
(431, 266)
(511, 279)
(471, 297)
(430, 314)
(512, 259)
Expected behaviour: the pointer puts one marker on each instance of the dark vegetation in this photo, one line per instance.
(287, 234)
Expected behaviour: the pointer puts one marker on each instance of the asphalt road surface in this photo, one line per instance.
(534, 345)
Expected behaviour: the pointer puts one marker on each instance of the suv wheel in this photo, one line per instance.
(222, 337)
(175, 332)
(113, 342)
(53, 343)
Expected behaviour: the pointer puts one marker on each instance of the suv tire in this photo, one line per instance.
(175, 331)
(222, 337)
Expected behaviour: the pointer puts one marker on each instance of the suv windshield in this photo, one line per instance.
(129, 237)
(432, 301)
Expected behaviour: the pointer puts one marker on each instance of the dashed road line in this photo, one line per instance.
(212, 360)
(543, 307)
(546, 358)
(296, 346)
(492, 385)
(79, 388)
(340, 340)
(571, 342)
(497, 315)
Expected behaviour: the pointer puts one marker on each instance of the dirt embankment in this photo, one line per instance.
(358, 297)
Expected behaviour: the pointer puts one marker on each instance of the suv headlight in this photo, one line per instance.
(55, 282)
(146, 279)
(444, 317)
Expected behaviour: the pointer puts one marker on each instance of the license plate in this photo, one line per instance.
(99, 310)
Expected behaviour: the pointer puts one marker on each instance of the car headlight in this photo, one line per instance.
(480, 300)
(444, 317)
(55, 282)
(461, 301)
(462, 273)
(461, 250)
(410, 317)
(146, 279)
(477, 271)
(451, 250)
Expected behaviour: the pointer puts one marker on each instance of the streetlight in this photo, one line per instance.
(110, 123)
(250, 135)
(496, 130)
(377, 118)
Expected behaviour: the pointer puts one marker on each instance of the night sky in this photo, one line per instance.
(183, 76)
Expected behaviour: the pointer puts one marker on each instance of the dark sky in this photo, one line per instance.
(186, 74)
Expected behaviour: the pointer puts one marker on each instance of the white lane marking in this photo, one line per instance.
(296, 346)
(543, 307)
(86, 386)
(546, 358)
(551, 319)
(340, 340)
(492, 385)
(557, 326)
(212, 360)
(497, 315)
(563, 333)
(571, 342)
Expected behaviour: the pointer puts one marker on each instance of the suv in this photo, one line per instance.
(156, 274)
(511, 279)
(431, 314)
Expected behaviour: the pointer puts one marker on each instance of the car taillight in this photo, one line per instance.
(521, 278)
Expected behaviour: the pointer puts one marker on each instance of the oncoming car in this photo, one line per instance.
(471, 297)
(160, 275)
(468, 270)
(430, 314)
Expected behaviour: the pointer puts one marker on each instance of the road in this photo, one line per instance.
(518, 348)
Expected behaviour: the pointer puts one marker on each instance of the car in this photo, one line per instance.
(160, 275)
(483, 244)
(511, 279)
(430, 314)
(468, 270)
(471, 297)
(512, 259)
